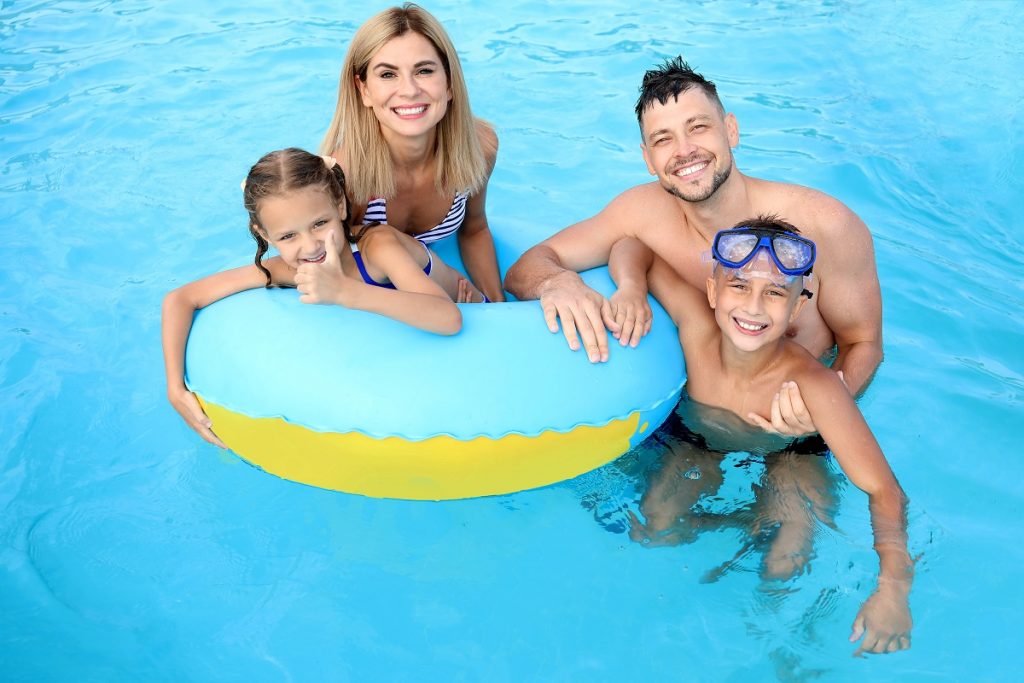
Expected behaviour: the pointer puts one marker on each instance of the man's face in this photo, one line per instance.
(688, 145)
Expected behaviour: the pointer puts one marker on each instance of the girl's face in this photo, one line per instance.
(406, 86)
(297, 224)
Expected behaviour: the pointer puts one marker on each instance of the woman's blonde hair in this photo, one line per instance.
(460, 163)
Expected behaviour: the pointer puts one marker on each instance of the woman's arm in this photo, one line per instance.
(179, 307)
(418, 301)
(884, 620)
(476, 244)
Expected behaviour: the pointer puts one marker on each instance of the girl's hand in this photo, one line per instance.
(185, 402)
(323, 283)
(884, 621)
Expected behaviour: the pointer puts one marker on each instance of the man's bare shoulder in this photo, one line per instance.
(647, 205)
(644, 197)
(812, 210)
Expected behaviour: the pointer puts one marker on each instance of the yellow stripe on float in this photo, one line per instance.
(438, 468)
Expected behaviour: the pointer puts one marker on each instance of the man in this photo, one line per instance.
(687, 139)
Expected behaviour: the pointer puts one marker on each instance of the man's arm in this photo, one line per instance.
(850, 299)
(850, 302)
(549, 270)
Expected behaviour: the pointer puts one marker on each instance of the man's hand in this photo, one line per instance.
(789, 416)
(582, 312)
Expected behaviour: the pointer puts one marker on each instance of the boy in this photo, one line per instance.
(737, 357)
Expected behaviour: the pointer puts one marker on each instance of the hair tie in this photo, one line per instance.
(329, 161)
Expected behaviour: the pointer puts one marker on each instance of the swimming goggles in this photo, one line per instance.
(792, 254)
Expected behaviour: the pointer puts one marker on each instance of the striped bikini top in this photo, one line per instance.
(377, 210)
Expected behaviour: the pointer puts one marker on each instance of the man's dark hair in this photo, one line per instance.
(669, 80)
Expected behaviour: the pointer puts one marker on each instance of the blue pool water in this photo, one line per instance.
(131, 550)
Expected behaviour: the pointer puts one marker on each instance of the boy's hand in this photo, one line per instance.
(884, 621)
(185, 402)
(322, 283)
(629, 316)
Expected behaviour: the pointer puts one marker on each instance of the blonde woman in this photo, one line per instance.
(415, 156)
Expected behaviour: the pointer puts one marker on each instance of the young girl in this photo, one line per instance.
(296, 203)
(403, 130)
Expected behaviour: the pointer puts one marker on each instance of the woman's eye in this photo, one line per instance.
(386, 74)
(426, 71)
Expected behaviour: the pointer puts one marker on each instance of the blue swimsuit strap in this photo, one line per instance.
(387, 285)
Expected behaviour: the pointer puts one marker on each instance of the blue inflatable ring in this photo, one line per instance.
(355, 402)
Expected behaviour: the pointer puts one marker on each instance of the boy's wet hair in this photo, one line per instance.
(283, 171)
(671, 79)
(770, 222)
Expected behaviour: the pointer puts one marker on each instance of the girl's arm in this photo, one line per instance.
(417, 301)
(476, 245)
(179, 307)
(884, 620)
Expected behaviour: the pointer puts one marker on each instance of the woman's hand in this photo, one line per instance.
(187, 405)
(323, 283)
(468, 293)
(884, 621)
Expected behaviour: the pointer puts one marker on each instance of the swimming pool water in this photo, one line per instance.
(131, 550)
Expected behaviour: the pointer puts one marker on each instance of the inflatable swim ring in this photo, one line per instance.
(355, 402)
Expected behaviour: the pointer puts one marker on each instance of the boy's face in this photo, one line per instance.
(754, 305)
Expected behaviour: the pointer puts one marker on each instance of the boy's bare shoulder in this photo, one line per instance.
(808, 372)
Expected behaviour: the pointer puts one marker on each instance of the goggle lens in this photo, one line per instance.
(792, 254)
(736, 248)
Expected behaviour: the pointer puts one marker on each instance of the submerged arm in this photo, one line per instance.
(884, 620)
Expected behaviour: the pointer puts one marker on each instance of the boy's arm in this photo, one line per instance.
(884, 620)
(628, 308)
(179, 307)
(686, 305)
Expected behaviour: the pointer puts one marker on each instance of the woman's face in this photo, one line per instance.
(406, 86)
